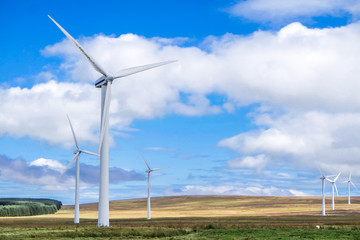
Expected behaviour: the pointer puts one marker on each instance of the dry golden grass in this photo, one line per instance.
(197, 217)
(214, 206)
(208, 209)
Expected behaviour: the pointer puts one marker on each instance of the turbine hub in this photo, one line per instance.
(109, 79)
(103, 80)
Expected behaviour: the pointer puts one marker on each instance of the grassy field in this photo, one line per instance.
(197, 217)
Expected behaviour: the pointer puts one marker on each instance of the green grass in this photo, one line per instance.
(197, 217)
(192, 231)
(10, 207)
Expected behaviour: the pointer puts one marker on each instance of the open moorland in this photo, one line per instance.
(197, 217)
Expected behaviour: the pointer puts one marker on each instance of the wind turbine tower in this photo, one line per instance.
(77, 153)
(148, 171)
(323, 192)
(333, 185)
(348, 185)
(104, 82)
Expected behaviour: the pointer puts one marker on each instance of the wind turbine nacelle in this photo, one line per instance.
(101, 81)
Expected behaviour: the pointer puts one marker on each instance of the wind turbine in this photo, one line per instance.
(148, 171)
(333, 184)
(323, 191)
(77, 153)
(348, 183)
(104, 82)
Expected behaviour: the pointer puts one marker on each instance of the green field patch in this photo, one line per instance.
(13, 207)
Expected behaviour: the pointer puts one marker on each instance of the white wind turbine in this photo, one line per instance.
(333, 185)
(104, 82)
(77, 153)
(323, 191)
(348, 183)
(148, 171)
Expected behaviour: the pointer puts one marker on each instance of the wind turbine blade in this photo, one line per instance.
(91, 153)
(73, 133)
(330, 176)
(81, 49)
(337, 193)
(353, 185)
(105, 115)
(350, 177)
(75, 157)
(145, 161)
(337, 177)
(328, 179)
(156, 169)
(133, 70)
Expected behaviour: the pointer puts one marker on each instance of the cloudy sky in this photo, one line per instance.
(263, 94)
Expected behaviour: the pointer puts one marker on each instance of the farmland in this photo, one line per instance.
(197, 217)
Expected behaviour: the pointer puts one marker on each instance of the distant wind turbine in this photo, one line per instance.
(348, 183)
(104, 82)
(77, 153)
(333, 185)
(323, 191)
(148, 171)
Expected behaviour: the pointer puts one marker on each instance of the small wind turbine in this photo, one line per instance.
(323, 191)
(104, 82)
(348, 183)
(333, 185)
(77, 153)
(148, 171)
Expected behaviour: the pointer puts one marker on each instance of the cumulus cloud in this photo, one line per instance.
(49, 163)
(304, 81)
(292, 64)
(283, 10)
(257, 162)
(312, 139)
(233, 189)
(36, 173)
(295, 68)
(40, 112)
(46, 172)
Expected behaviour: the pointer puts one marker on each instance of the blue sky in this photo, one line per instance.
(260, 98)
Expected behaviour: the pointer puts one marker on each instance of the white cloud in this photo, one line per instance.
(37, 173)
(159, 149)
(50, 163)
(305, 81)
(285, 10)
(40, 112)
(283, 175)
(45, 173)
(258, 162)
(234, 189)
(312, 139)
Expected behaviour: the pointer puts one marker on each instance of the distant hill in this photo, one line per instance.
(13, 207)
(217, 206)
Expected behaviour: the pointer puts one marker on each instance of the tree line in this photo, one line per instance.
(12, 207)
